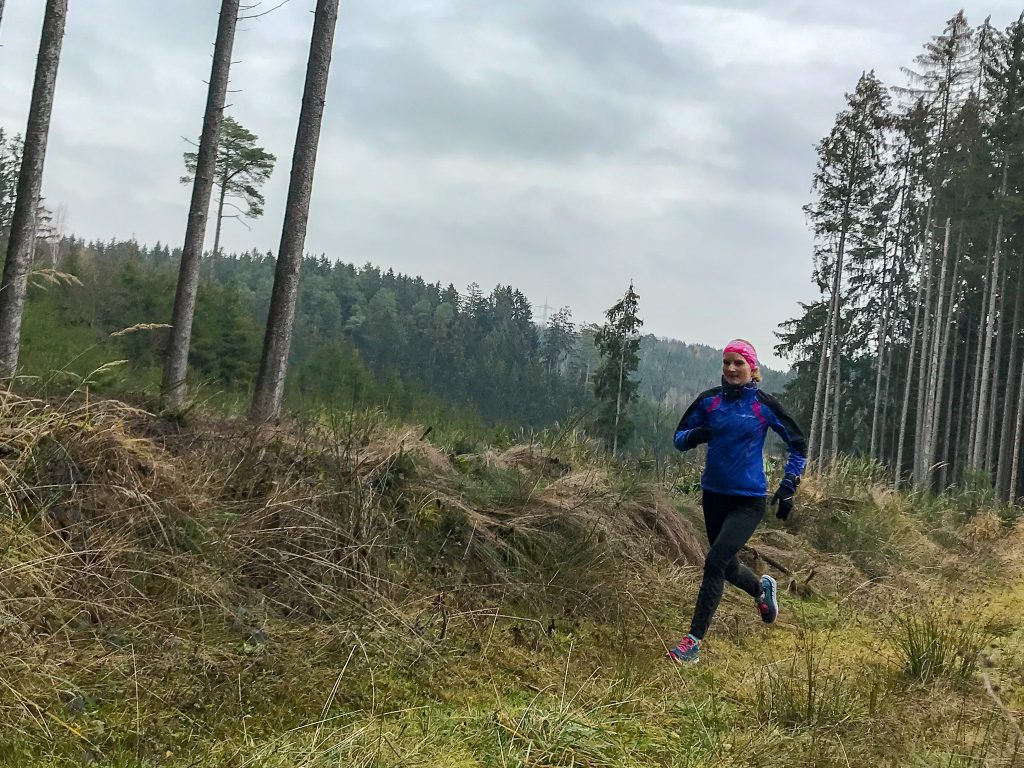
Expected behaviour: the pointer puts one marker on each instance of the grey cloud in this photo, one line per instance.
(608, 145)
(863, 15)
(621, 54)
(774, 151)
(400, 97)
(396, 93)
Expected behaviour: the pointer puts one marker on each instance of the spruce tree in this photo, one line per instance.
(618, 343)
(847, 183)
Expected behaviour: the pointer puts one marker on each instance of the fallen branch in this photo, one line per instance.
(1002, 707)
(770, 560)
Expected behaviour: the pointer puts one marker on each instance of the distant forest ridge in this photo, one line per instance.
(363, 336)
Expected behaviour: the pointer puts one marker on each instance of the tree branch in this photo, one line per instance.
(264, 13)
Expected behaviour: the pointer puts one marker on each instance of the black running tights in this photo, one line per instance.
(730, 522)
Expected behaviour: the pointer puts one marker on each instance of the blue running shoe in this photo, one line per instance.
(687, 652)
(768, 602)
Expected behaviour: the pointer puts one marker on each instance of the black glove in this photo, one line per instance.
(698, 436)
(784, 496)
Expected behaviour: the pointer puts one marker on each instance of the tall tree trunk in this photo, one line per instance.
(174, 389)
(886, 395)
(962, 446)
(977, 459)
(836, 394)
(826, 404)
(1006, 436)
(925, 373)
(876, 408)
(994, 381)
(819, 418)
(978, 354)
(883, 330)
(618, 397)
(945, 448)
(888, 275)
(220, 220)
(819, 394)
(1018, 435)
(937, 366)
(30, 182)
(269, 392)
(901, 440)
(946, 325)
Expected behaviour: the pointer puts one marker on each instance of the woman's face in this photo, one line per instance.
(735, 369)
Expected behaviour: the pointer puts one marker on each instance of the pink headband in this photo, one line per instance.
(744, 350)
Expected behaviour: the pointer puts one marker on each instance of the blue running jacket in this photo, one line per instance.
(739, 417)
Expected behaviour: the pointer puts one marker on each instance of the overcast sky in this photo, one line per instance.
(560, 146)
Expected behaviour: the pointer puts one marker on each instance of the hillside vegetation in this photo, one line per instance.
(357, 592)
(365, 337)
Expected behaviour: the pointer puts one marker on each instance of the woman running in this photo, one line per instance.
(733, 419)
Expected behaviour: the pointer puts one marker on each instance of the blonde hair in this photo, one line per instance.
(755, 373)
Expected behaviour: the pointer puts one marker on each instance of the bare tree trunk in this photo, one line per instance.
(618, 397)
(997, 357)
(882, 454)
(1, 12)
(901, 440)
(836, 393)
(888, 274)
(1018, 434)
(946, 325)
(1006, 436)
(958, 453)
(826, 404)
(819, 419)
(937, 364)
(976, 378)
(269, 392)
(925, 372)
(819, 395)
(876, 409)
(174, 388)
(883, 330)
(220, 220)
(986, 363)
(944, 449)
(30, 182)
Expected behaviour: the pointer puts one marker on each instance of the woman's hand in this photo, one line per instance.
(698, 436)
(784, 496)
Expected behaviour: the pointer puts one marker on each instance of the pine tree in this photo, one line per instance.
(618, 343)
(242, 167)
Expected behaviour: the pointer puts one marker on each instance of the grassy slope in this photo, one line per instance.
(355, 595)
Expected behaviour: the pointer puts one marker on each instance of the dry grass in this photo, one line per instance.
(349, 593)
